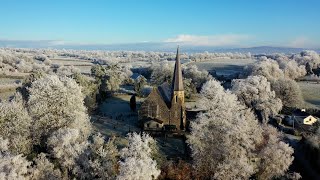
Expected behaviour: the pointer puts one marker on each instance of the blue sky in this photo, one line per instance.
(243, 23)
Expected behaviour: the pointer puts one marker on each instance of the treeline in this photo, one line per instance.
(46, 130)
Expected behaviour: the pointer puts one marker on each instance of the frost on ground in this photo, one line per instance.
(224, 66)
(311, 93)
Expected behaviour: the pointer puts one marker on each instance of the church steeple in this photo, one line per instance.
(177, 102)
(177, 84)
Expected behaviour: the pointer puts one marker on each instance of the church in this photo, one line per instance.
(164, 108)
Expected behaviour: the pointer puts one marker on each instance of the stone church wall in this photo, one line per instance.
(155, 107)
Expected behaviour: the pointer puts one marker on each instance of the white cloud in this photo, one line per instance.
(56, 43)
(212, 40)
(302, 42)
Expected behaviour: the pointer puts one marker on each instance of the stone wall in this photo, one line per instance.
(178, 116)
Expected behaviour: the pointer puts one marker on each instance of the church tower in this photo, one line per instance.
(177, 101)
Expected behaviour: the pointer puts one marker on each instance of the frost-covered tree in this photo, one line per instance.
(83, 159)
(15, 124)
(139, 84)
(217, 134)
(22, 66)
(227, 142)
(99, 160)
(189, 88)
(162, 72)
(98, 71)
(206, 56)
(47, 62)
(13, 166)
(314, 140)
(180, 171)
(310, 57)
(27, 81)
(268, 68)
(111, 76)
(198, 77)
(66, 145)
(277, 66)
(12, 60)
(275, 157)
(256, 93)
(67, 70)
(289, 66)
(56, 103)
(40, 57)
(288, 91)
(137, 162)
(44, 169)
(292, 70)
(111, 82)
(281, 70)
(89, 88)
(40, 67)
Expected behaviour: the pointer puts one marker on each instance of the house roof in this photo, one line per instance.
(153, 119)
(300, 113)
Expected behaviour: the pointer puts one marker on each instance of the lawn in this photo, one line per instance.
(8, 85)
(5, 81)
(311, 93)
(69, 61)
(83, 65)
(117, 117)
(117, 120)
(224, 66)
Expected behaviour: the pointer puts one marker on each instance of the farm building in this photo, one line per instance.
(164, 108)
(302, 117)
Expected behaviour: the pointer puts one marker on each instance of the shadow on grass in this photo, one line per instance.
(227, 69)
(315, 102)
(115, 117)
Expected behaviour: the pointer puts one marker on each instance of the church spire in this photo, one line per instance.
(177, 84)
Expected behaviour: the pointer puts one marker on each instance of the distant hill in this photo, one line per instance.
(147, 46)
(268, 50)
(252, 50)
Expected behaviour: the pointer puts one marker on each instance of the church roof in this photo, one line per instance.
(165, 92)
(177, 84)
